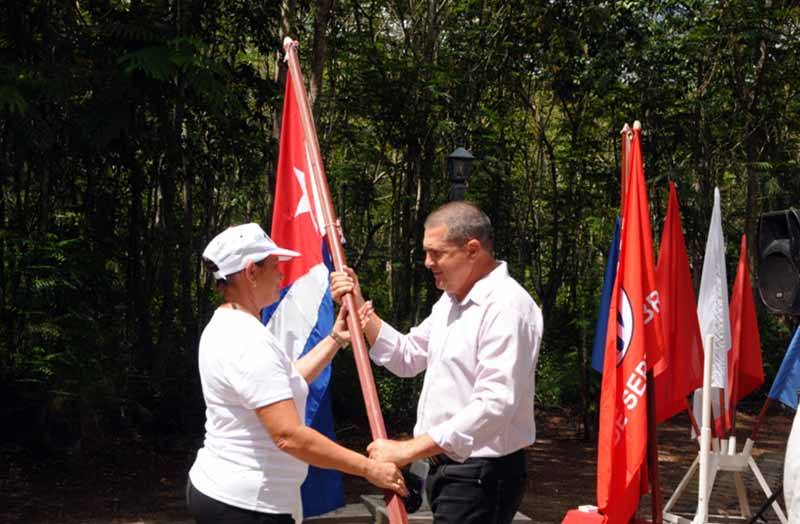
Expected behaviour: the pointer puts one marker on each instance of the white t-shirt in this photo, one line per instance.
(242, 368)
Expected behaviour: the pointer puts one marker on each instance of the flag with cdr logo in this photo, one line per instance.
(633, 345)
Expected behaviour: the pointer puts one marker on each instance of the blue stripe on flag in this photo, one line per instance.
(599, 350)
(787, 382)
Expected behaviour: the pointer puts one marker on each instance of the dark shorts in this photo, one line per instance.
(206, 510)
(481, 490)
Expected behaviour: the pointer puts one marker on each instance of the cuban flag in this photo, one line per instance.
(305, 313)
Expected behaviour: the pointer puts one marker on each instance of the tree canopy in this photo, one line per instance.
(132, 131)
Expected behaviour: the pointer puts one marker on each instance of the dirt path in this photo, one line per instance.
(140, 481)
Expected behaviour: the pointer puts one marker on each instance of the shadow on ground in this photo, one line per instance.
(135, 480)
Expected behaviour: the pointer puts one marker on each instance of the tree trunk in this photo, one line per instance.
(287, 28)
(138, 312)
(188, 255)
(319, 51)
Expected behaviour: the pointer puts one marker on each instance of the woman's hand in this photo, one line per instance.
(387, 476)
(340, 330)
(343, 282)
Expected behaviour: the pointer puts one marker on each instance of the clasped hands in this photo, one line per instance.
(343, 282)
(388, 450)
(392, 453)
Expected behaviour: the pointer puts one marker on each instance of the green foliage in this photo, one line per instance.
(12, 101)
(132, 132)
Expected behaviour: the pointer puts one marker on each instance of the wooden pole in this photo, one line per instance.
(656, 501)
(760, 419)
(720, 422)
(396, 510)
(692, 419)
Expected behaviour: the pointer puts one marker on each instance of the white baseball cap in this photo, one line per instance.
(232, 249)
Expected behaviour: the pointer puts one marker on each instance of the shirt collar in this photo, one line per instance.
(483, 288)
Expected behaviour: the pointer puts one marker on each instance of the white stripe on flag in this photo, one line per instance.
(296, 315)
(315, 195)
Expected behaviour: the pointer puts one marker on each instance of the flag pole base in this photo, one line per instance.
(729, 461)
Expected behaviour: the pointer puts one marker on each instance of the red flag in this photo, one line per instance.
(745, 367)
(296, 217)
(680, 372)
(633, 345)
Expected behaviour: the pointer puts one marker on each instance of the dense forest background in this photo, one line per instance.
(132, 131)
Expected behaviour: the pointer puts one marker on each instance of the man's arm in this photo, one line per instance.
(403, 452)
(403, 355)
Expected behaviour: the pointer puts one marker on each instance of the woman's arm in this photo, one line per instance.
(291, 436)
(312, 363)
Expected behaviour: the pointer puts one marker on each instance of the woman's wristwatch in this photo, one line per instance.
(339, 340)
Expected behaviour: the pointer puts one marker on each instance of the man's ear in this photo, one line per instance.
(473, 247)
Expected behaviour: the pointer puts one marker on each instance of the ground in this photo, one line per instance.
(141, 481)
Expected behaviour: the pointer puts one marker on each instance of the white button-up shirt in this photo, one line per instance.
(480, 355)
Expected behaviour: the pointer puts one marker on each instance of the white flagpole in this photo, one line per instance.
(701, 517)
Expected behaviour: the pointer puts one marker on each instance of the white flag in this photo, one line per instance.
(712, 307)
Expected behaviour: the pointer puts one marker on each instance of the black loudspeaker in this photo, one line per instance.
(779, 261)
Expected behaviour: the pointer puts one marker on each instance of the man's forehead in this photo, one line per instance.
(435, 237)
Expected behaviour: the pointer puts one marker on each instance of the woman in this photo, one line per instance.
(257, 448)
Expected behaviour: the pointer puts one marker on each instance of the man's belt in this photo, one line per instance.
(440, 460)
(443, 460)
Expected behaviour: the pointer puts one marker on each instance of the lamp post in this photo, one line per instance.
(459, 163)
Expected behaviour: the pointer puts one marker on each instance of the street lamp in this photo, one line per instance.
(459, 163)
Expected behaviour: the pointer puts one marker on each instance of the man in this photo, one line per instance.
(479, 346)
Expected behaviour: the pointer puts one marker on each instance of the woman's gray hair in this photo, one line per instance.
(222, 283)
(212, 268)
(464, 222)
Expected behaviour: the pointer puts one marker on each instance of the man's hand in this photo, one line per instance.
(343, 282)
(386, 450)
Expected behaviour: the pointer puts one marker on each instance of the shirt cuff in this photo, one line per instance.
(388, 338)
(457, 445)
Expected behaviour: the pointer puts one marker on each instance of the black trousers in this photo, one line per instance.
(206, 510)
(479, 491)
